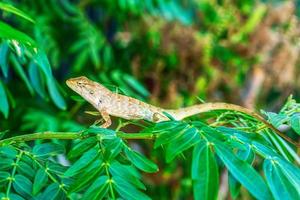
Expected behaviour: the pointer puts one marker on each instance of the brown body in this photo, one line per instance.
(109, 103)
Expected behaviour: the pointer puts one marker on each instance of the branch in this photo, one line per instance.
(68, 136)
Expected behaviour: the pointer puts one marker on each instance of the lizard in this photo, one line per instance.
(109, 104)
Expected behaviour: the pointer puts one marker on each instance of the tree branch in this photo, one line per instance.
(68, 136)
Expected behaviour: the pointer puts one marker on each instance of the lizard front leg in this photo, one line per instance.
(107, 120)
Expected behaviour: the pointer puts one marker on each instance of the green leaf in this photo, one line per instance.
(4, 108)
(105, 133)
(16, 11)
(26, 159)
(79, 99)
(25, 169)
(107, 56)
(136, 85)
(40, 180)
(82, 146)
(98, 189)
(117, 77)
(205, 172)
(234, 186)
(47, 149)
(81, 59)
(79, 46)
(52, 192)
(19, 69)
(291, 172)
(295, 123)
(55, 95)
(2, 134)
(94, 55)
(290, 150)
(195, 159)
(243, 172)
(13, 196)
(6, 163)
(35, 79)
(263, 149)
(127, 173)
(82, 163)
(164, 126)
(4, 176)
(245, 137)
(211, 132)
(276, 119)
(281, 146)
(168, 136)
(4, 58)
(246, 155)
(43, 62)
(113, 147)
(56, 168)
(279, 184)
(140, 161)
(87, 176)
(23, 186)
(8, 32)
(127, 191)
(8, 151)
(187, 139)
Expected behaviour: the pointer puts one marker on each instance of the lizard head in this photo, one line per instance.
(91, 91)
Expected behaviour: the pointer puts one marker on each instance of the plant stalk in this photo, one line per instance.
(67, 136)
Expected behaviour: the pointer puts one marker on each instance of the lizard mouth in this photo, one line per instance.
(71, 83)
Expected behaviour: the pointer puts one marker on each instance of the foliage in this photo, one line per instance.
(169, 50)
(105, 166)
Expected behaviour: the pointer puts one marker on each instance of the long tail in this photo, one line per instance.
(182, 113)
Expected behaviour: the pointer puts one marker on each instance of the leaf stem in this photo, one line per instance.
(106, 165)
(12, 177)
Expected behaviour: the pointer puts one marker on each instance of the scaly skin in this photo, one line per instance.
(109, 103)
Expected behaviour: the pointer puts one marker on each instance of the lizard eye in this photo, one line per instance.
(80, 84)
(91, 92)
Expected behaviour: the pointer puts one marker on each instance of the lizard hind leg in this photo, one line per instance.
(158, 117)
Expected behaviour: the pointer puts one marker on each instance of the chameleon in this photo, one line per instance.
(109, 104)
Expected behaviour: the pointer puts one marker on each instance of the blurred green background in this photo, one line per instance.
(168, 53)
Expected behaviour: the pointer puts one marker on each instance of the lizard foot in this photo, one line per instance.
(100, 123)
(106, 124)
(157, 117)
